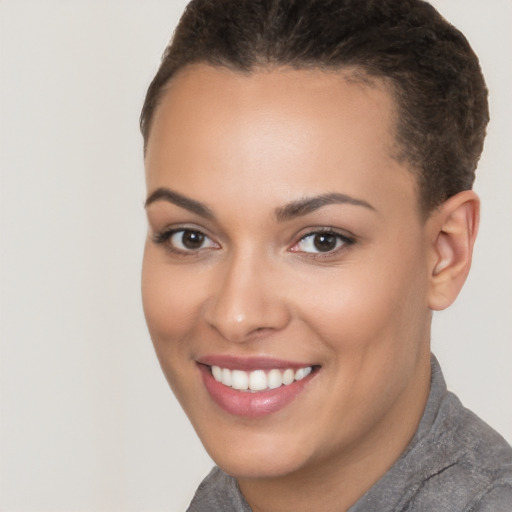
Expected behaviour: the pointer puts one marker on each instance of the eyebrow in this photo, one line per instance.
(166, 194)
(310, 204)
(296, 208)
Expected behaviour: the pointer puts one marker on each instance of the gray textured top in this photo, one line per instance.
(454, 463)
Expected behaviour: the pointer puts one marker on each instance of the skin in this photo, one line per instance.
(245, 146)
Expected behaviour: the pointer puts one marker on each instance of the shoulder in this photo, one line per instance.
(478, 447)
(487, 461)
(456, 462)
(470, 465)
(497, 499)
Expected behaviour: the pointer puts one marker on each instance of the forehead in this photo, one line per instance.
(217, 90)
(306, 127)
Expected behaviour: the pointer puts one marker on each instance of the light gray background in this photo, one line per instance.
(87, 420)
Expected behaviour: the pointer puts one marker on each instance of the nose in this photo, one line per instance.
(246, 299)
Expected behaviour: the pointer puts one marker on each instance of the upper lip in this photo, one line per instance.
(232, 362)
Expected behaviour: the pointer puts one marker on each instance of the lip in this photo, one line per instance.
(252, 404)
(250, 364)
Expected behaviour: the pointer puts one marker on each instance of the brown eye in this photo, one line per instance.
(325, 242)
(191, 239)
(321, 242)
(186, 240)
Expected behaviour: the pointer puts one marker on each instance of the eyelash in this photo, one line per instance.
(164, 237)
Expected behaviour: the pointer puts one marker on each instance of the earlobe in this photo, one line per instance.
(454, 227)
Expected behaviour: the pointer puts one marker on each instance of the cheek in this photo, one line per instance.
(170, 308)
(375, 327)
(170, 300)
(361, 307)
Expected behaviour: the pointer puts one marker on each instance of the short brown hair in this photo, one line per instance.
(435, 75)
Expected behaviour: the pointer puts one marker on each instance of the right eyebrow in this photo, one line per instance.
(173, 197)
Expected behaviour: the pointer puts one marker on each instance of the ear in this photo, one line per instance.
(453, 228)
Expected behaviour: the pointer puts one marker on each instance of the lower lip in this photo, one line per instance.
(252, 404)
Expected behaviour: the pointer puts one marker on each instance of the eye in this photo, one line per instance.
(184, 240)
(321, 242)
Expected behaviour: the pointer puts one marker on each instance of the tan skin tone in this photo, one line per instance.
(246, 147)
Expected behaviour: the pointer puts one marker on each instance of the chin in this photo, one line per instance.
(252, 454)
(268, 465)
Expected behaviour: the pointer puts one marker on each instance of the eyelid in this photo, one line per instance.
(313, 230)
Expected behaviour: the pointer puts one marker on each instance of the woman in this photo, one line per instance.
(309, 167)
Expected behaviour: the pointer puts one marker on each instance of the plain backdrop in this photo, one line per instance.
(87, 421)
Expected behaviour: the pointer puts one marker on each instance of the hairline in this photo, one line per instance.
(353, 73)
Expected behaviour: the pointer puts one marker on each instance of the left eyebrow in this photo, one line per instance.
(310, 204)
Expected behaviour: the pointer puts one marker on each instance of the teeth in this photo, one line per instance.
(302, 372)
(274, 379)
(217, 373)
(226, 377)
(258, 380)
(288, 377)
(240, 380)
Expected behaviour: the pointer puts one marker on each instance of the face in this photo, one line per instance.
(285, 277)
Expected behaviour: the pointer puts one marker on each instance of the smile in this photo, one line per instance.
(258, 380)
(254, 387)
